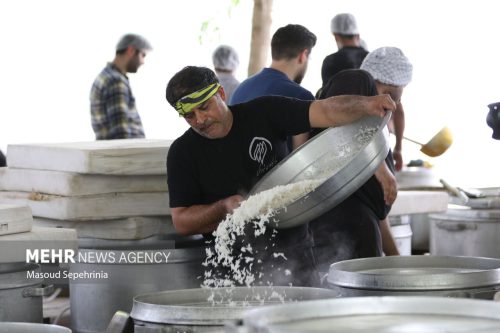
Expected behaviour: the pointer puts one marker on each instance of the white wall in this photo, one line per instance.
(53, 49)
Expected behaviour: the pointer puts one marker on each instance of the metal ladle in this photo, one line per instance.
(437, 145)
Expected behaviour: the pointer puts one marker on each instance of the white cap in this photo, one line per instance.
(344, 24)
(225, 58)
(388, 65)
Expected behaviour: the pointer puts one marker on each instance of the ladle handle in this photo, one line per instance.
(418, 143)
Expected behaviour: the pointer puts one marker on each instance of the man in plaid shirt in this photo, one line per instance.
(112, 105)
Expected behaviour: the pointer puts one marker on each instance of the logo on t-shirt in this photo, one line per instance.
(259, 148)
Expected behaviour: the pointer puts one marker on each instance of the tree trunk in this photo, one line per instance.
(261, 35)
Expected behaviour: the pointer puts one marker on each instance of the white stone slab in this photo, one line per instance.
(15, 219)
(13, 247)
(71, 184)
(416, 202)
(116, 157)
(131, 228)
(91, 207)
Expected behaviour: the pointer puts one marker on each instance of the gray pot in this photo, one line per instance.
(21, 295)
(377, 315)
(470, 277)
(420, 226)
(208, 310)
(94, 301)
(466, 232)
(7, 327)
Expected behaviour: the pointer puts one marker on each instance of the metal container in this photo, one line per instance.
(322, 153)
(479, 198)
(10, 327)
(466, 232)
(402, 236)
(377, 315)
(420, 227)
(208, 310)
(94, 301)
(20, 294)
(469, 277)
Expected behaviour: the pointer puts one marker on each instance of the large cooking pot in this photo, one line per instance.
(469, 277)
(94, 301)
(208, 310)
(10, 327)
(21, 292)
(347, 156)
(466, 232)
(377, 315)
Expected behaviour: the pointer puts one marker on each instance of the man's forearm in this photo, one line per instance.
(341, 110)
(201, 219)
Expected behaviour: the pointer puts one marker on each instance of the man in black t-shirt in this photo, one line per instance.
(350, 54)
(215, 163)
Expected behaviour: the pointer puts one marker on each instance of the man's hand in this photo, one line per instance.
(231, 203)
(388, 183)
(202, 219)
(380, 104)
(398, 159)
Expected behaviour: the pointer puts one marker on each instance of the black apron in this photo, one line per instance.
(351, 229)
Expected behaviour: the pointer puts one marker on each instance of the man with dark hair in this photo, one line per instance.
(291, 46)
(350, 54)
(112, 105)
(213, 165)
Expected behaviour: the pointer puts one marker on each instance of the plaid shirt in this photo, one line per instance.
(112, 107)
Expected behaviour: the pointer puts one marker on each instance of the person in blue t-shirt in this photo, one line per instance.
(291, 46)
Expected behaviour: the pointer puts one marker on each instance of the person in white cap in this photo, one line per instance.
(112, 105)
(350, 53)
(226, 62)
(392, 71)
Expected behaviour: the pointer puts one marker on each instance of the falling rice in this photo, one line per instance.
(259, 209)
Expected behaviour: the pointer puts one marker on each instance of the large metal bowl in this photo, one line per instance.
(310, 161)
(214, 307)
(377, 315)
(450, 276)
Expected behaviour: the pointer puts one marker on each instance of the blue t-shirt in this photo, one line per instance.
(269, 82)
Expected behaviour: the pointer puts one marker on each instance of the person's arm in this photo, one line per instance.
(341, 110)
(399, 128)
(299, 139)
(388, 182)
(388, 242)
(202, 219)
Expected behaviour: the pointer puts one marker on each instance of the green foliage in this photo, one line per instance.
(210, 29)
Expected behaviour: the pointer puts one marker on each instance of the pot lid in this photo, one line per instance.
(15, 275)
(378, 314)
(215, 306)
(460, 212)
(415, 273)
(14, 327)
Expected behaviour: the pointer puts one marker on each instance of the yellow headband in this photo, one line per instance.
(187, 103)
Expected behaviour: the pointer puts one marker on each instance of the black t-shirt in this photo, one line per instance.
(348, 57)
(3, 160)
(202, 171)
